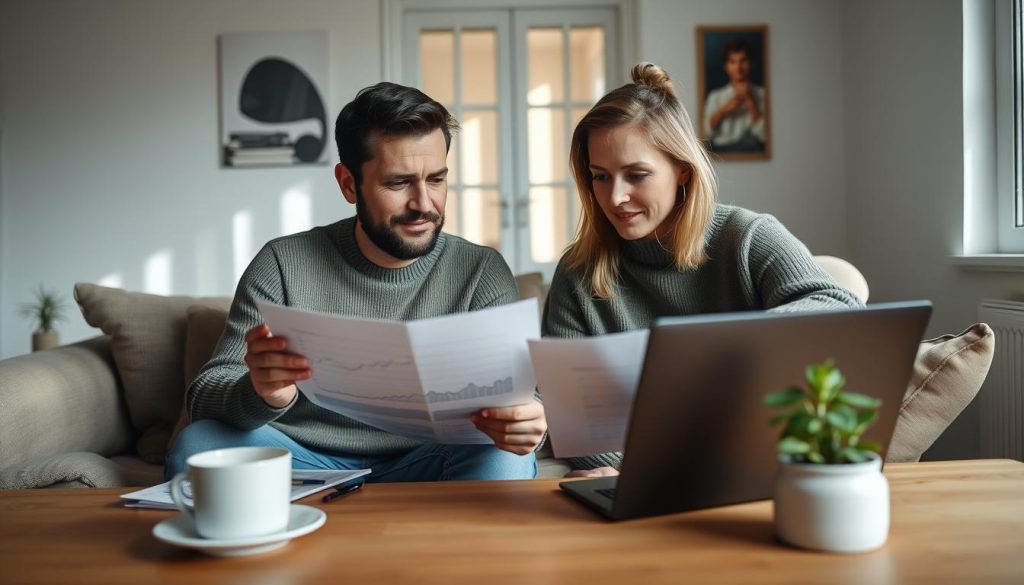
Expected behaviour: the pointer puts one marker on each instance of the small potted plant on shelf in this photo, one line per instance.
(45, 312)
(830, 493)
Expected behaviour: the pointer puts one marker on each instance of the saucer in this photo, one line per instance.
(180, 531)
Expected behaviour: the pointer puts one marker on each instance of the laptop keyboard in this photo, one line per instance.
(607, 492)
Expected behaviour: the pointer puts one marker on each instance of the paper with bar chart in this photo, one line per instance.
(420, 379)
(588, 385)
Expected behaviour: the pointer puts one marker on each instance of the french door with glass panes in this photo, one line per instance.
(517, 81)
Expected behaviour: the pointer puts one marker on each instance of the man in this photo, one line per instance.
(734, 113)
(389, 262)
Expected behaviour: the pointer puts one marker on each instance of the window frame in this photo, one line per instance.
(1009, 132)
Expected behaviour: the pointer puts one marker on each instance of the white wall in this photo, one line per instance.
(904, 139)
(803, 183)
(110, 134)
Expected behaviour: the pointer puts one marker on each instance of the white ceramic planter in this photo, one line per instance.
(837, 508)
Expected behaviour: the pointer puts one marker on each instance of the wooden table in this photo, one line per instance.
(955, 522)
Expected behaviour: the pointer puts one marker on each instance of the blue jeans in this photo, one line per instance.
(429, 462)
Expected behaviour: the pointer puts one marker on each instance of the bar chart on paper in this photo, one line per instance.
(421, 379)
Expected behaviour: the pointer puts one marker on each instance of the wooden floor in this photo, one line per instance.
(952, 522)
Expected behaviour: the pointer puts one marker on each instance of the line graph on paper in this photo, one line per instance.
(358, 368)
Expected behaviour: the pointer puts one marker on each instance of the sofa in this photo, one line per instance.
(103, 412)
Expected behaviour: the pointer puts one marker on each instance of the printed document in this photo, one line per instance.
(588, 385)
(420, 379)
(159, 496)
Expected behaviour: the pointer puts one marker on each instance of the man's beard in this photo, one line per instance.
(385, 237)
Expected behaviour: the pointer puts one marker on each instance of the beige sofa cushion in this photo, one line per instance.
(531, 285)
(948, 373)
(203, 330)
(148, 343)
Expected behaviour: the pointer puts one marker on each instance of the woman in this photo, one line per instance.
(653, 241)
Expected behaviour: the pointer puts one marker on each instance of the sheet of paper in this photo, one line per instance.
(420, 379)
(159, 496)
(588, 385)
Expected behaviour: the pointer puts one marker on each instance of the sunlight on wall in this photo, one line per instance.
(156, 273)
(206, 263)
(113, 280)
(297, 209)
(241, 231)
(472, 173)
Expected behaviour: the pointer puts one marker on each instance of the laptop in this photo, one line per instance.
(699, 436)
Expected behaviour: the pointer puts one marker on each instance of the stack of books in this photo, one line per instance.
(258, 149)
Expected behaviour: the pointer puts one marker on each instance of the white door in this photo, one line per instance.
(517, 81)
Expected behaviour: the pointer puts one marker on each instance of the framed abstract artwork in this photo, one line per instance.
(272, 96)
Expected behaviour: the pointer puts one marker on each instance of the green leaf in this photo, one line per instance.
(843, 419)
(784, 397)
(799, 425)
(831, 384)
(811, 374)
(814, 426)
(781, 417)
(866, 417)
(858, 400)
(792, 446)
(874, 446)
(816, 457)
(853, 454)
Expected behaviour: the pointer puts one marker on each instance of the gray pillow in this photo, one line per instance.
(64, 470)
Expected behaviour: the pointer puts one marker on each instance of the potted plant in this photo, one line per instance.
(830, 493)
(47, 309)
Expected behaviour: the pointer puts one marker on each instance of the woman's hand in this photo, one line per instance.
(596, 472)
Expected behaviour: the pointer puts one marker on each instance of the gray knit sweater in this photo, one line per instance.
(755, 264)
(323, 270)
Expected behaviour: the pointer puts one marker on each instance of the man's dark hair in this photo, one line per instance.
(387, 109)
(735, 45)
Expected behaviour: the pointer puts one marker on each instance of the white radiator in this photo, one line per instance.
(1001, 399)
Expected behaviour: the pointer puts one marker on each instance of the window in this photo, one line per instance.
(518, 80)
(993, 134)
(1010, 125)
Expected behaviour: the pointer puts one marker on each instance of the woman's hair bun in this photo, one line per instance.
(652, 76)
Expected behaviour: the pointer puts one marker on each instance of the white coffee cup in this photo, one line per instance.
(238, 492)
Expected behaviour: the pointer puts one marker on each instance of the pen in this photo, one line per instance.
(307, 481)
(342, 491)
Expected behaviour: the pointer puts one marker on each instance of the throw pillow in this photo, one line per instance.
(202, 332)
(67, 470)
(532, 285)
(948, 373)
(148, 343)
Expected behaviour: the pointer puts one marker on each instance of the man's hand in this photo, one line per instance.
(596, 472)
(516, 429)
(273, 370)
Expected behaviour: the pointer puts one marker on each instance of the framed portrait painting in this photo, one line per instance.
(733, 86)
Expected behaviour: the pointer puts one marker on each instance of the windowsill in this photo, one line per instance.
(990, 262)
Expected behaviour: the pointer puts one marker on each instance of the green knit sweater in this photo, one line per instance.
(323, 270)
(755, 264)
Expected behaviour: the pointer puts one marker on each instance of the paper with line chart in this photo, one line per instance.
(588, 385)
(420, 379)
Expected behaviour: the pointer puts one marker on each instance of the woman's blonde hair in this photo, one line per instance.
(650, 104)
